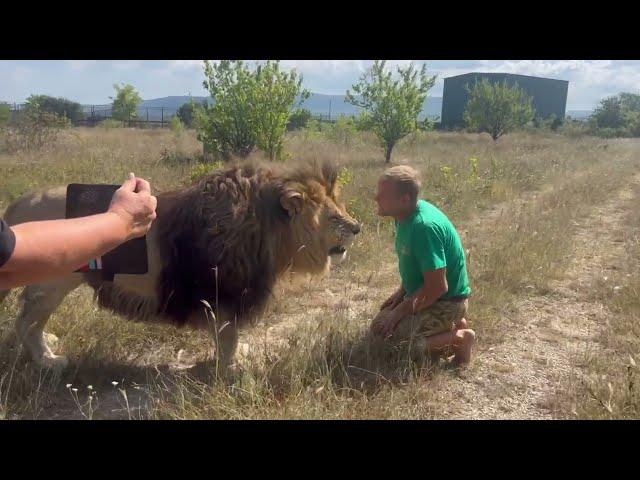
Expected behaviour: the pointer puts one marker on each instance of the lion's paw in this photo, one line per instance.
(54, 362)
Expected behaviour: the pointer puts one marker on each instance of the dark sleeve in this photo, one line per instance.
(7, 242)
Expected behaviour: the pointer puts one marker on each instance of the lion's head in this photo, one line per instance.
(319, 227)
(229, 236)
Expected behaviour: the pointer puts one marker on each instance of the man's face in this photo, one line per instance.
(390, 202)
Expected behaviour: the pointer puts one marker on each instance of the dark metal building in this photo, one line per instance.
(549, 95)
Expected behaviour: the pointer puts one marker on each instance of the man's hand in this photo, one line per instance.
(134, 204)
(394, 300)
(386, 327)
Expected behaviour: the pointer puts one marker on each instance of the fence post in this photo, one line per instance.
(162, 117)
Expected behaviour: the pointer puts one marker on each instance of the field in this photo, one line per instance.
(552, 231)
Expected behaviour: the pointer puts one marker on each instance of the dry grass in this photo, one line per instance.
(610, 386)
(310, 358)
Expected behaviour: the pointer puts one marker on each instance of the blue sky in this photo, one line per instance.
(91, 81)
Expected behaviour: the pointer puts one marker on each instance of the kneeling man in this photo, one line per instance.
(428, 309)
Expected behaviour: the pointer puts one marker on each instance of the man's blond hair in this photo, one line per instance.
(406, 178)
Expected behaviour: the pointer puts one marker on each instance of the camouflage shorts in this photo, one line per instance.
(440, 317)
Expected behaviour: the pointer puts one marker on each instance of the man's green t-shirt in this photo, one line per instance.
(428, 241)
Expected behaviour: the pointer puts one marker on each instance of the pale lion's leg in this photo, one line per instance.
(223, 333)
(39, 302)
(226, 345)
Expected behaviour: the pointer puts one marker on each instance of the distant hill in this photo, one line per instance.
(579, 114)
(317, 104)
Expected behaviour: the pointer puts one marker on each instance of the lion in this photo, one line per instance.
(215, 252)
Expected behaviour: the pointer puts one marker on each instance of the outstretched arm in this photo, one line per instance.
(47, 249)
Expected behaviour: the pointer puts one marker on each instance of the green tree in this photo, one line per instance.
(186, 113)
(177, 127)
(34, 128)
(617, 116)
(299, 119)
(225, 127)
(276, 93)
(391, 105)
(125, 103)
(497, 108)
(251, 108)
(60, 106)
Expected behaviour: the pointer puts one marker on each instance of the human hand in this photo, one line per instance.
(393, 301)
(135, 205)
(388, 325)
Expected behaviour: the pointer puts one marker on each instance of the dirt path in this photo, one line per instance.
(548, 335)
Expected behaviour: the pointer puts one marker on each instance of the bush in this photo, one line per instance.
(33, 129)
(59, 106)
(110, 124)
(186, 113)
(299, 119)
(344, 131)
(177, 127)
(617, 116)
(5, 114)
(574, 129)
(551, 123)
(204, 169)
(428, 125)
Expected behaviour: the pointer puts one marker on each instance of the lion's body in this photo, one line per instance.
(224, 241)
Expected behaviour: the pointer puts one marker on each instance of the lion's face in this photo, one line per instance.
(322, 228)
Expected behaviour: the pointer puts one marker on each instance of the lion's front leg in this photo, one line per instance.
(39, 302)
(223, 333)
(226, 342)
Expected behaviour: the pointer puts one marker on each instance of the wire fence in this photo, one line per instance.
(149, 117)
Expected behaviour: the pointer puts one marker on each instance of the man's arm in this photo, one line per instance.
(51, 248)
(394, 299)
(47, 249)
(435, 286)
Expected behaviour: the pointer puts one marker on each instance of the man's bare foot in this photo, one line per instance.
(464, 346)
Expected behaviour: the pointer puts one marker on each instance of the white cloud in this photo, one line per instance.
(589, 80)
(326, 67)
(126, 64)
(80, 65)
(185, 64)
(19, 74)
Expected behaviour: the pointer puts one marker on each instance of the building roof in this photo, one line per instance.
(504, 74)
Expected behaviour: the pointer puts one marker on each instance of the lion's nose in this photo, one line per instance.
(356, 229)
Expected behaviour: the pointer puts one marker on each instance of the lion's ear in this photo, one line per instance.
(291, 201)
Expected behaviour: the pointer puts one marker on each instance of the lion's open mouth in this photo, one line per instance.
(339, 250)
